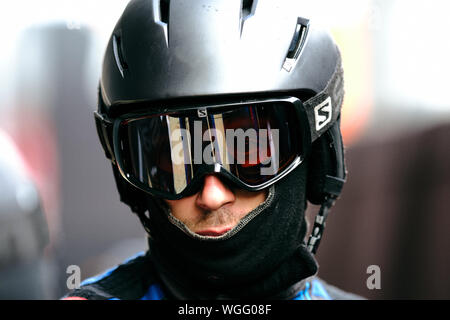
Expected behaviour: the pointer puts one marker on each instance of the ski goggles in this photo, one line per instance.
(167, 153)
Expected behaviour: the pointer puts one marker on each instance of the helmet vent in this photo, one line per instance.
(161, 10)
(248, 8)
(164, 6)
(120, 61)
(297, 44)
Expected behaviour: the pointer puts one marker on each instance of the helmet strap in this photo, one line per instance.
(333, 187)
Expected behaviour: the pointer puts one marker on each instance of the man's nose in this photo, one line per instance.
(214, 195)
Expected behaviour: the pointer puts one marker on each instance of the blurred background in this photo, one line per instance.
(394, 211)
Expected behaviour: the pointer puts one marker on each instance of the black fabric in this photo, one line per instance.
(136, 279)
(129, 194)
(264, 259)
(319, 169)
(328, 160)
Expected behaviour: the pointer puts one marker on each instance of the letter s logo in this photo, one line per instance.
(323, 114)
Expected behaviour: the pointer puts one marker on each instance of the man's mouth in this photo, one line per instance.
(214, 232)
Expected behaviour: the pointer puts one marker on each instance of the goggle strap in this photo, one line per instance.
(318, 108)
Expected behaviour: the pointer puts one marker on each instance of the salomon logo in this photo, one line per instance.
(202, 113)
(323, 113)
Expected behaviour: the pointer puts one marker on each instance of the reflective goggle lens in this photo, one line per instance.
(253, 143)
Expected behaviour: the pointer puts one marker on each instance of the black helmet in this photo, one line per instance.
(163, 54)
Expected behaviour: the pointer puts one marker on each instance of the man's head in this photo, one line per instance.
(221, 118)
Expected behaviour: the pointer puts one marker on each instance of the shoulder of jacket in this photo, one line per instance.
(334, 293)
(129, 280)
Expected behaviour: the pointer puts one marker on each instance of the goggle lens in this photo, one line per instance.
(254, 143)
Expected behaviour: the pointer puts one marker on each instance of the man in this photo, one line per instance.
(221, 119)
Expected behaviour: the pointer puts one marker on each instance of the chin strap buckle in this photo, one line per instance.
(332, 188)
(319, 225)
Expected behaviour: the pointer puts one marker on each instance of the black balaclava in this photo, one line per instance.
(264, 256)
